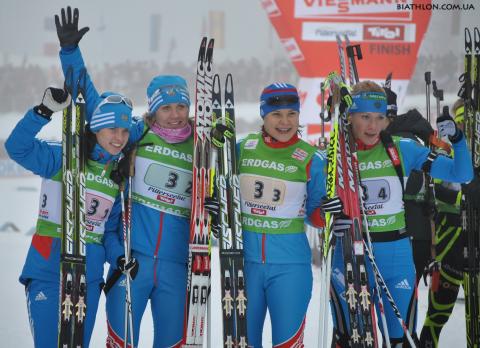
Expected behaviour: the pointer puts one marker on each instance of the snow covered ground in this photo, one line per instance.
(19, 203)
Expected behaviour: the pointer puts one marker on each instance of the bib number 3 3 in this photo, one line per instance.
(262, 189)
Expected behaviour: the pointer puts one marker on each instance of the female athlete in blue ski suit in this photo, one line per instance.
(282, 180)
(160, 209)
(382, 190)
(41, 272)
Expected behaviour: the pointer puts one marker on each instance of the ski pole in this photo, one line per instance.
(322, 141)
(438, 95)
(380, 281)
(352, 51)
(127, 226)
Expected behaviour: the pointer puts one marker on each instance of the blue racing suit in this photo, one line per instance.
(281, 184)
(41, 272)
(385, 215)
(160, 231)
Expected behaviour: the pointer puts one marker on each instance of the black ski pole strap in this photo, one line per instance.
(112, 280)
(427, 165)
(392, 152)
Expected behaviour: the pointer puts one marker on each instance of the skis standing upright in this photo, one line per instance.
(361, 313)
(326, 252)
(198, 281)
(470, 215)
(73, 284)
(234, 299)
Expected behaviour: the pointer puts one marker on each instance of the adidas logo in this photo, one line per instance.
(403, 285)
(40, 296)
(123, 282)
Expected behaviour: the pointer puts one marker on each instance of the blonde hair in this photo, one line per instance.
(367, 86)
(149, 119)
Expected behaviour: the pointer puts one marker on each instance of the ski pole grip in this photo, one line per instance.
(359, 52)
(428, 77)
(445, 112)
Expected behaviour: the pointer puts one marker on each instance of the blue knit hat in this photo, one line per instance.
(167, 89)
(279, 96)
(113, 111)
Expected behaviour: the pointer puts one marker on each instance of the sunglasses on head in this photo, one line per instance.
(282, 100)
(115, 99)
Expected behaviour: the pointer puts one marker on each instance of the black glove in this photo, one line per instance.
(220, 132)
(122, 169)
(332, 205)
(391, 102)
(54, 99)
(345, 102)
(472, 192)
(67, 32)
(341, 225)
(213, 207)
(411, 123)
(346, 99)
(446, 126)
(131, 267)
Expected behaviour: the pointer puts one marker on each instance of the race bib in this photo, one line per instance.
(262, 189)
(172, 179)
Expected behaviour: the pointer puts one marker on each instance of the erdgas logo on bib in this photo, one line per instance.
(266, 164)
(248, 221)
(382, 222)
(100, 179)
(169, 152)
(375, 165)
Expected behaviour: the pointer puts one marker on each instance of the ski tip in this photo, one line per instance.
(210, 44)
(388, 80)
(229, 84)
(216, 84)
(468, 41)
(201, 51)
(209, 54)
(476, 37)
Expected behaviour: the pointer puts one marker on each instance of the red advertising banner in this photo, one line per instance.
(389, 32)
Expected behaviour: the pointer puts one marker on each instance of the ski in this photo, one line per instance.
(469, 92)
(357, 293)
(341, 57)
(234, 297)
(73, 285)
(198, 281)
(326, 247)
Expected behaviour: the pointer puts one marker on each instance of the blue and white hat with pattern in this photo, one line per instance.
(113, 111)
(279, 96)
(167, 89)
